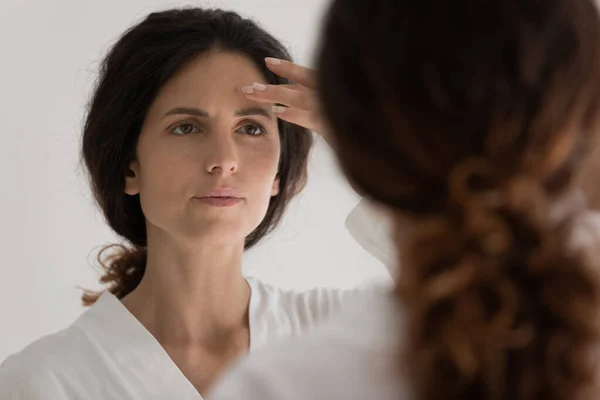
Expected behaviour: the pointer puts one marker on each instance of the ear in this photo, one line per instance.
(275, 188)
(132, 179)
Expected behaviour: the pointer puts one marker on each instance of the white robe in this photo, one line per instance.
(372, 229)
(355, 355)
(108, 354)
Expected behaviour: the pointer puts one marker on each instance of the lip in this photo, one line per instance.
(221, 192)
(220, 197)
(219, 201)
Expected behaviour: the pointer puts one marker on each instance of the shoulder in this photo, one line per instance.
(35, 372)
(304, 309)
(351, 357)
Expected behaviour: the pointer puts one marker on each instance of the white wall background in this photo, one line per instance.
(50, 230)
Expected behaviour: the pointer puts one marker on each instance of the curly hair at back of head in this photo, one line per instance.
(472, 119)
(131, 75)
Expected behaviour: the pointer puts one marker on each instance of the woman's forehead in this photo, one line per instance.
(215, 71)
(210, 78)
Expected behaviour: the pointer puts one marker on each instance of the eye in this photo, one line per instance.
(251, 129)
(185, 129)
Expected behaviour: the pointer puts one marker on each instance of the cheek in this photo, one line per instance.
(165, 168)
(260, 174)
(263, 162)
(168, 180)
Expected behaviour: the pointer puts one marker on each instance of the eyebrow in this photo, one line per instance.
(242, 112)
(246, 112)
(196, 112)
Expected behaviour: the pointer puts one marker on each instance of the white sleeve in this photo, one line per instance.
(16, 383)
(372, 230)
(242, 384)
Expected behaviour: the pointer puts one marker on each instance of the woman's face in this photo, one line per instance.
(207, 157)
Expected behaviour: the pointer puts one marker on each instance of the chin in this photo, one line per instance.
(216, 234)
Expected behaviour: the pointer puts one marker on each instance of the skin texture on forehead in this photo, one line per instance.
(207, 75)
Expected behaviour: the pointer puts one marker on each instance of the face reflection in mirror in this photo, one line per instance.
(201, 139)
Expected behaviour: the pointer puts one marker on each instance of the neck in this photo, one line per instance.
(191, 294)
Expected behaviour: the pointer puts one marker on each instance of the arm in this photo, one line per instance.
(368, 226)
(27, 385)
(371, 228)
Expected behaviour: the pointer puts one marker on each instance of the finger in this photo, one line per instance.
(292, 86)
(291, 97)
(294, 72)
(307, 119)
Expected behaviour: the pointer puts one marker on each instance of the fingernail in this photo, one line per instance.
(279, 109)
(272, 61)
(247, 89)
(260, 87)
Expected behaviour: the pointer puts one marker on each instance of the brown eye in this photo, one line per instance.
(185, 129)
(252, 130)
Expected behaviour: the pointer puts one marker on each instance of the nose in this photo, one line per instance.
(222, 156)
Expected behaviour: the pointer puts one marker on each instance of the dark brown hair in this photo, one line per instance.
(135, 69)
(471, 119)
